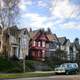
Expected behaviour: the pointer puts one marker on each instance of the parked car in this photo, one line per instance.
(67, 68)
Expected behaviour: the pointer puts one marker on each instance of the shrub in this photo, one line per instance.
(9, 65)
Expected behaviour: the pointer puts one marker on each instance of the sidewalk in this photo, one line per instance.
(44, 72)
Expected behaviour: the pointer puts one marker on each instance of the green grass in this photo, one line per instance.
(24, 75)
(14, 68)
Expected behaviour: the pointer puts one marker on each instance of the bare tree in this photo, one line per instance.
(8, 12)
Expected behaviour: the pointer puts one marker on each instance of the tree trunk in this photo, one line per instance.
(2, 41)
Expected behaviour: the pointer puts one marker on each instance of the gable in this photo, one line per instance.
(42, 37)
(52, 37)
(62, 40)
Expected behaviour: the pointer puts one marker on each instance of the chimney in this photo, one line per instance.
(30, 29)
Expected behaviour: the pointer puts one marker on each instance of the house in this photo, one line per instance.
(16, 42)
(68, 47)
(43, 44)
(24, 38)
(77, 45)
(13, 41)
(52, 45)
(38, 44)
(65, 45)
(73, 52)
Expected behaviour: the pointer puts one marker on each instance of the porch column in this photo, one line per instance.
(17, 52)
(11, 52)
(21, 54)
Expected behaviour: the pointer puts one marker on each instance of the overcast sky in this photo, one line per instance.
(62, 16)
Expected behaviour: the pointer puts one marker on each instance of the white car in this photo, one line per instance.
(67, 68)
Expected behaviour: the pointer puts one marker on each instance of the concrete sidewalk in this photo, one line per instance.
(44, 72)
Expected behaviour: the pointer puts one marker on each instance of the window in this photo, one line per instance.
(24, 32)
(39, 44)
(43, 44)
(34, 43)
(43, 53)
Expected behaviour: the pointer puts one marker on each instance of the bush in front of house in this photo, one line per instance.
(16, 66)
(31, 64)
(38, 65)
(9, 65)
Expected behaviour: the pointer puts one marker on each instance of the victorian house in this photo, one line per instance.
(16, 42)
(52, 45)
(42, 44)
(64, 46)
(69, 48)
(24, 38)
(73, 52)
(38, 44)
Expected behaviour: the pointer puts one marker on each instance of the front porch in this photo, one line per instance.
(14, 51)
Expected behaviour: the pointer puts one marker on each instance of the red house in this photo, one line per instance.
(37, 48)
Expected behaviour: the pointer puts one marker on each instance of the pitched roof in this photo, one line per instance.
(77, 46)
(52, 37)
(25, 31)
(33, 33)
(38, 34)
(62, 40)
(13, 30)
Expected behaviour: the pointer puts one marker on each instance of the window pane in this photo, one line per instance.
(43, 44)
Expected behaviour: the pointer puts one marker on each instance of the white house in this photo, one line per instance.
(69, 47)
(24, 43)
(18, 42)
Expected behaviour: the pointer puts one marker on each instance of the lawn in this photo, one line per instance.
(25, 75)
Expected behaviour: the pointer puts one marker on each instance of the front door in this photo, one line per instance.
(15, 51)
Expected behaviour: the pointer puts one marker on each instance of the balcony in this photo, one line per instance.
(39, 48)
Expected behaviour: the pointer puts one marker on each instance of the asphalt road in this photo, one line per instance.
(57, 77)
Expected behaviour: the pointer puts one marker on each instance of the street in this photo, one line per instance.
(56, 77)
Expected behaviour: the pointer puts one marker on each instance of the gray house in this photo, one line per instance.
(73, 52)
(16, 42)
(52, 45)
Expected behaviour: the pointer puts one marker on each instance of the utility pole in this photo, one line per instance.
(24, 62)
(24, 51)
